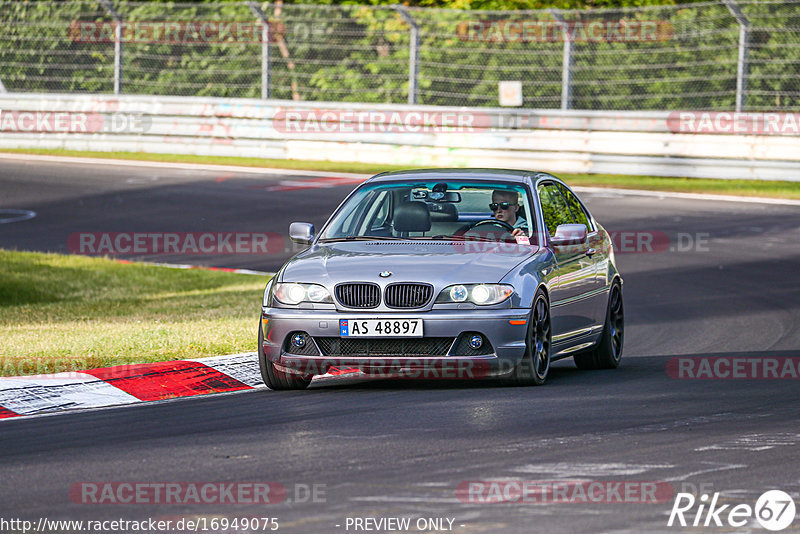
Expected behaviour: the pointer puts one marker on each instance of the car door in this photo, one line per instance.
(574, 313)
(596, 249)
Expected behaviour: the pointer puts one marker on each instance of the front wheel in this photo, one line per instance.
(273, 377)
(535, 364)
(608, 351)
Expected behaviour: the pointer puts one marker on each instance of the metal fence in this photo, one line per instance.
(725, 55)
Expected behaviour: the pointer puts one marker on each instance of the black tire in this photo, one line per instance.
(273, 377)
(608, 351)
(535, 364)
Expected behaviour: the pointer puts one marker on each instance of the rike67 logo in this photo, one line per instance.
(774, 510)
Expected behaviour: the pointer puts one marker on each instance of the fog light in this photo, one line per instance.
(475, 342)
(299, 341)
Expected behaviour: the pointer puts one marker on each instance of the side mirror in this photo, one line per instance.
(301, 232)
(569, 234)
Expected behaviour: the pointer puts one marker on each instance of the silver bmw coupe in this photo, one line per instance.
(445, 274)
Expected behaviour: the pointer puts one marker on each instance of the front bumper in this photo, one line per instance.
(503, 331)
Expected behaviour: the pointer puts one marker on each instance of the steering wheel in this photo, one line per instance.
(496, 222)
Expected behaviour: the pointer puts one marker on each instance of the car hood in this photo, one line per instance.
(440, 262)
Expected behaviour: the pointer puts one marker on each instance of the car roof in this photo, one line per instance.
(502, 175)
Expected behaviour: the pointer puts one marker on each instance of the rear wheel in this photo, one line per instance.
(535, 364)
(608, 351)
(273, 377)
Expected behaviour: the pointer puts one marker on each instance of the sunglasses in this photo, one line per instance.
(502, 205)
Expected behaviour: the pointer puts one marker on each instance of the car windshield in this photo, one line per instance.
(443, 210)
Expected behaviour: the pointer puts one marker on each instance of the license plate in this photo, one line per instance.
(380, 327)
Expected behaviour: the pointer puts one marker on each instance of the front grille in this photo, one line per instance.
(358, 295)
(407, 295)
(424, 346)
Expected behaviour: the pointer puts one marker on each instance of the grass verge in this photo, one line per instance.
(70, 313)
(756, 188)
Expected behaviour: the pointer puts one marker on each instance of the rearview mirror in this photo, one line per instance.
(569, 234)
(301, 232)
(436, 196)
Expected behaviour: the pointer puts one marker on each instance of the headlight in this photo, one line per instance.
(480, 294)
(458, 293)
(317, 293)
(292, 293)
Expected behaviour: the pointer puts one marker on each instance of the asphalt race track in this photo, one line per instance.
(727, 285)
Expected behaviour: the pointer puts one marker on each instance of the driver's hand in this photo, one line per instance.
(517, 231)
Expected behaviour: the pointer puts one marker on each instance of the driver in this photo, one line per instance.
(505, 206)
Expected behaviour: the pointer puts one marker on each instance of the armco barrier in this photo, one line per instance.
(636, 143)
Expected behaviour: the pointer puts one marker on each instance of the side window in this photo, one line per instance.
(575, 207)
(381, 211)
(346, 227)
(523, 208)
(554, 207)
(375, 212)
(354, 220)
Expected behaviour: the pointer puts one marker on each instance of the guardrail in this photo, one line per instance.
(691, 144)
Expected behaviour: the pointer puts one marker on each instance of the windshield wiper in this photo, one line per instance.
(421, 238)
(476, 238)
(361, 238)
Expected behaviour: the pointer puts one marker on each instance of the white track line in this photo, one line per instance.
(184, 166)
(200, 267)
(688, 196)
(12, 215)
(332, 174)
